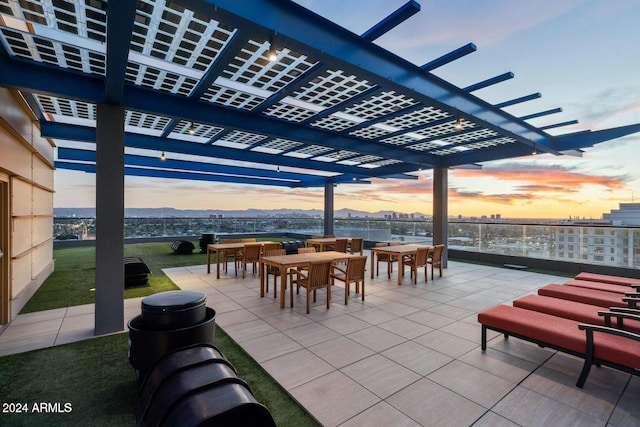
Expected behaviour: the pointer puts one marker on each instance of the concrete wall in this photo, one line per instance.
(26, 175)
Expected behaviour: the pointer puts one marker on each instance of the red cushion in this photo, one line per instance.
(620, 350)
(604, 278)
(619, 289)
(583, 295)
(560, 332)
(580, 312)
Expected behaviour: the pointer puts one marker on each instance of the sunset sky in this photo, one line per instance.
(581, 55)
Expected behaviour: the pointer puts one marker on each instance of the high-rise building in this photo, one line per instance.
(607, 242)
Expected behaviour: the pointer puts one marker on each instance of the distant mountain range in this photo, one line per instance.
(200, 213)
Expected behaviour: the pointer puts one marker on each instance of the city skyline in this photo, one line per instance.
(582, 56)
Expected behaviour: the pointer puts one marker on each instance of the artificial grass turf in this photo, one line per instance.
(74, 278)
(93, 384)
(94, 376)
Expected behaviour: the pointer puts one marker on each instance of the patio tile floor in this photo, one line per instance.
(408, 355)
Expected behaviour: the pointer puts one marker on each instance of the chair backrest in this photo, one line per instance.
(395, 243)
(317, 236)
(341, 245)
(232, 241)
(357, 244)
(248, 240)
(319, 274)
(329, 236)
(383, 257)
(252, 252)
(422, 254)
(271, 246)
(275, 252)
(309, 250)
(436, 258)
(355, 268)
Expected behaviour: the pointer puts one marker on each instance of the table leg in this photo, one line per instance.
(208, 261)
(400, 270)
(373, 254)
(218, 264)
(283, 286)
(261, 264)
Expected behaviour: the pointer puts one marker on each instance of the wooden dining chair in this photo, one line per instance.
(271, 247)
(340, 245)
(226, 256)
(356, 246)
(417, 261)
(435, 259)
(307, 250)
(273, 270)
(317, 276)
(250, 255)
(352, 273)
(388, 258)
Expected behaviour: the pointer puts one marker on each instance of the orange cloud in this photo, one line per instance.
(551, 176)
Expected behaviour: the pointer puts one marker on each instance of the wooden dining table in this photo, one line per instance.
(399, 251)
(321, 243)
(224, 249)
(285, 262)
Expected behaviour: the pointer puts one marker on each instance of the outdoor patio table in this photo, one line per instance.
(224, 248)
(284, 262)
(399, 251)
(321, 242)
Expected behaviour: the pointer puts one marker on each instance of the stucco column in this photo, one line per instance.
(440, 209)
(109, 296)
(328, 208)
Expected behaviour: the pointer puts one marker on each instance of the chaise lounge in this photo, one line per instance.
(599, 345)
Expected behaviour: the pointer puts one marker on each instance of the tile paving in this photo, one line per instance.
(408, 355)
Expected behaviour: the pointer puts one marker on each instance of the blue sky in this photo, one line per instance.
(581, 55)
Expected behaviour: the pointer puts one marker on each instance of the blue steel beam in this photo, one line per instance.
(187, 165)
(489, 154)
(87, 134)
(541, 113)
(238, 41)
(579, 140)
(157, 173)
(300, 81)
(120, 19)
(449, 57)
(46, 79)
(518, 100)
(403, 13)
(342, 105)
(558, 125)
(489, 82)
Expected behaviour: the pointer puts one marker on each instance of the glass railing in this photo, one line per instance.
(602, 245)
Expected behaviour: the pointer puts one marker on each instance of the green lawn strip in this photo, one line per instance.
(73, 282)
(91, 383)
(93, 376)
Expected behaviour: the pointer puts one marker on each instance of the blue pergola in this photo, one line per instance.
(185, 89)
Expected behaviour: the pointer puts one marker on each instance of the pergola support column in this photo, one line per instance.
(440, 209)
(109, 295)
(328, 208)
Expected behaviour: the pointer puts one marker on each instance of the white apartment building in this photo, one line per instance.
(610, 241)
